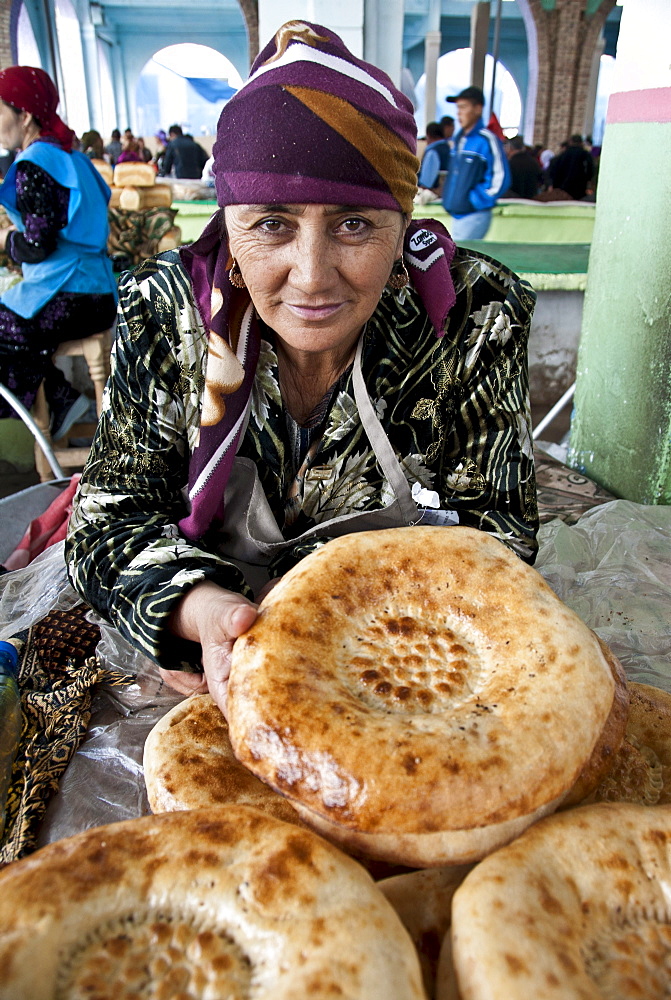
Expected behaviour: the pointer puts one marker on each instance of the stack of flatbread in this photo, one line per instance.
(420, 694)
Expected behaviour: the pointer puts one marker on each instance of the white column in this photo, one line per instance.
(431, 53)
(119, 84)
(92, 75)
(383, 36)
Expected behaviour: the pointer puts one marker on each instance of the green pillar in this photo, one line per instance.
(621, 428)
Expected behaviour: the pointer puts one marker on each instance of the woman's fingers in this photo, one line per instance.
(183, 682)
(242, 618)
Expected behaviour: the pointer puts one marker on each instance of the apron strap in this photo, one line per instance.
(384, 452)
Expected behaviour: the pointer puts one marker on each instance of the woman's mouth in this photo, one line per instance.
(314, 312)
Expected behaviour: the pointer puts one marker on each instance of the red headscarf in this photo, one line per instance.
(29, 88)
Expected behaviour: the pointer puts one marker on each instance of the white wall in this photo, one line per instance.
(345, 17)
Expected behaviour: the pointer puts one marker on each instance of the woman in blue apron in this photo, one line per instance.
(57, 202)
(316, 364)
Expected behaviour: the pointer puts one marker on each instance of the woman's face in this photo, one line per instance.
(11, 132)
(315, 272)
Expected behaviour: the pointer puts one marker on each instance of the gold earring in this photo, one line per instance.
(399, 276)
(235, 277)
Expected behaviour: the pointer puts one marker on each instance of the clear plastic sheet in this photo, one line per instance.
(613, 567)
(29, 594)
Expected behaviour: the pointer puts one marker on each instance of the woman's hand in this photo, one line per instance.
(213, 617)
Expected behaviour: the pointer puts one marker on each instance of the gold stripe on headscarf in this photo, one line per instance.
(383, 149)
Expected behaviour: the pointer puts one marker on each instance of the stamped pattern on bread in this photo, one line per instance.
(397, 661)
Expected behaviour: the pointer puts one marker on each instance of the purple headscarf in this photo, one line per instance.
(313, 124)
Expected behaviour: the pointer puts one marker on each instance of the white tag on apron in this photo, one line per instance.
(440, 517)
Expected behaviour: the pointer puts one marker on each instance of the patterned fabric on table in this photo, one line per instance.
(57, 672)
(137, 234)
(564, 493)
(455, 411)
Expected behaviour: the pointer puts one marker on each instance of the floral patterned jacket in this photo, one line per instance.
(455, 410)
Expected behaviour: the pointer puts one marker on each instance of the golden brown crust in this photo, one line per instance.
(134, 175)
(189, 764)
(609, 743)
(641, 769)
(211, 903)
(416, 681)
(575, 909)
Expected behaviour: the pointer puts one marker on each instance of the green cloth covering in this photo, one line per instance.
(546, 266)
(521, 221)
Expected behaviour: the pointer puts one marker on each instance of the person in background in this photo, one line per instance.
(447, 126)
(525, 170)
(131, 152)
(145, 154)
(434, 166)
(92, 145)
(478, 173)
(162, 142)
(317, 363)
(113, 148)
(184, 155)
(57, 202)
(207, 176)
(573, 169)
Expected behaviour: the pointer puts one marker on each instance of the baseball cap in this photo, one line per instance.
(469, 94)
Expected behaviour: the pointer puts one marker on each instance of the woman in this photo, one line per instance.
(92, 145)
(287, 367)
(57, 202)
(131, 152)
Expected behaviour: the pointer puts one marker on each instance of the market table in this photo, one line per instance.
(610, 560)
(522, 221)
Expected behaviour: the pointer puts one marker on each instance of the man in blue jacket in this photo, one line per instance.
(479, 172)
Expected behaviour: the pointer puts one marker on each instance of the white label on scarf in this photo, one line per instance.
(422, 240)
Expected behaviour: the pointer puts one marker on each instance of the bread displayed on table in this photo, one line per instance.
(207, 904)
(189, 764)
(640, 771)
(134, 175)
(609, 744)
(104, 169)
(576, 909)
(419, 694)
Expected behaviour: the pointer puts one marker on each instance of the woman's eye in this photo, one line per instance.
(271, 226)
(353, 225)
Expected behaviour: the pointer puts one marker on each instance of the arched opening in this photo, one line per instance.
(187, 85)
(454, 73)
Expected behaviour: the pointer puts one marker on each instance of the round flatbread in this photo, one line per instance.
(423, 901)
(224, 902)
(189, 764)
(575, 909)
(641, 769)
(609, 744)
(420, 694)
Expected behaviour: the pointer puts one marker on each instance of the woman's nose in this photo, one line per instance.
(313, 261)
